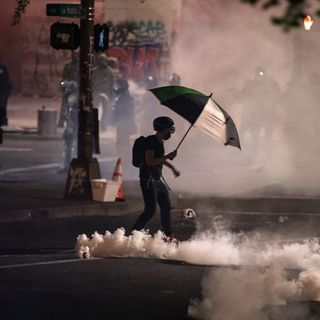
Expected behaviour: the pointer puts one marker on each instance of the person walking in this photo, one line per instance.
(153, 189)
(124, 120)
(70, 133)
(70, 74)
(5, 90)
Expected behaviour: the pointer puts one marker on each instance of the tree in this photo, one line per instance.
(294, 11)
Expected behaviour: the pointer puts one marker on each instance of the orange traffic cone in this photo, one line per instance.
(117, 176)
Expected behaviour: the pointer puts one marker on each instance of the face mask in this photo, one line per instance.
(166, 135)
(172, 130)
(168, 132)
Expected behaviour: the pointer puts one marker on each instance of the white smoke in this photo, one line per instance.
(218, 53)
(254, 275)
(245, 293)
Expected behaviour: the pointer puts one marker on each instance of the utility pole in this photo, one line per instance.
(84, 167)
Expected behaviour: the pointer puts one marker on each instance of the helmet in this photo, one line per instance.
(162, 123)
(113, 63)
(71, 86)
(174, 79)
(75, 57)
(121, 86)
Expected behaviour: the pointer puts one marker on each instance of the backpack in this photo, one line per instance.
(138, 151)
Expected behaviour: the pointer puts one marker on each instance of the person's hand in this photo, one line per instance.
(171, 155)
(176, 172)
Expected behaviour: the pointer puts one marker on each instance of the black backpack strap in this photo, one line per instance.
(165, 183)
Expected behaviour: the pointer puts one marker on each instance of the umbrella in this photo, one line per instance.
(201, 111)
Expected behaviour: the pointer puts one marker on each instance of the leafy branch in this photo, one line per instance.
(20, 9)
(293, 15)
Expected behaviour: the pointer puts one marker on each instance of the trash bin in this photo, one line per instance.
(104, 190)
(47, 122)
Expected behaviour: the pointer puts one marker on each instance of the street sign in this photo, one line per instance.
(65, 10)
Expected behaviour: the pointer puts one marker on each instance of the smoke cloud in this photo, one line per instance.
(253, 274)
(219, 52)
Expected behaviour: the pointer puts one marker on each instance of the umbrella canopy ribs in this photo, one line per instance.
(201, 111)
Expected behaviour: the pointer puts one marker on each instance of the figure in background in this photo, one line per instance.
(174, 80)
(104, 78)
(70, 73)
(70, 133)
(5, 90)
(123, 119)
(260, 99)
(300, 114)
(148, 107)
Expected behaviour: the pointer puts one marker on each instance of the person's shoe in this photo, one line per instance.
(172, 239)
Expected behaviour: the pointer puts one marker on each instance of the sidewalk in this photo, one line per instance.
(45, 199)
(23, 118)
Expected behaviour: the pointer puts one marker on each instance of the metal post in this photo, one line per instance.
(84, 168)
(85, 133)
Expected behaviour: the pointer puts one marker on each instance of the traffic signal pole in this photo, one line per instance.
(84, 168)
(85, 138)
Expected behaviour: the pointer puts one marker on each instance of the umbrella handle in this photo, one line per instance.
(176, 149)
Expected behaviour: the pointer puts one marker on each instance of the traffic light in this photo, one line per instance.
(101, 37)
(65, 36)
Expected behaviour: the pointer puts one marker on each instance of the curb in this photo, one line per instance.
(209, 206)
(27, 135)
(95, 209)
(269, 205)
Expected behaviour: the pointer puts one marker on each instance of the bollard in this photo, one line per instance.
(47, 122)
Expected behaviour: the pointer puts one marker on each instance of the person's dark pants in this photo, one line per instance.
(154, 191)
(3, 109)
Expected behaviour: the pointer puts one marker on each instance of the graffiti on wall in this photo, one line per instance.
(140, 46)
(42, 67)
(130, 32)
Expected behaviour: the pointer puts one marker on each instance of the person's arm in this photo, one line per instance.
(151, 160)
(174, 170)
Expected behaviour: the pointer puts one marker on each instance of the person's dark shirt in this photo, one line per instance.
(4, 78)
(152, 143)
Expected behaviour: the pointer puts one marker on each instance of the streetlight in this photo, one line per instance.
(298, 47)
(307, 22)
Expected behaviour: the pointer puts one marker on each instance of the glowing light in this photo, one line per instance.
(307, 22)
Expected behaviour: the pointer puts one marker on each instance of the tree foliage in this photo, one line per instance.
(20, 9)
(292, 17)
(294, 11)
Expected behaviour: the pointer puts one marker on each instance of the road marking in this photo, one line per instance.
(107, 159)
(15, 149)
(46, 166)
(23, 265)
(32, 168)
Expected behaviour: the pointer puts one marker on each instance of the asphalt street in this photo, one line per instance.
(42, 278)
